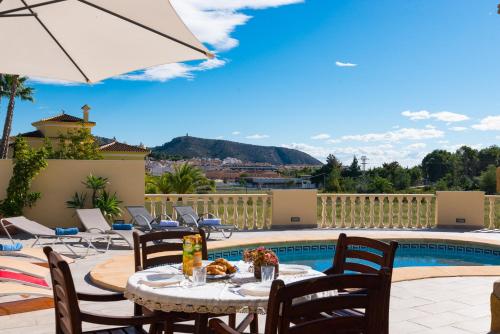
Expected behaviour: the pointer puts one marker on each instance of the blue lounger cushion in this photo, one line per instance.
(123, 227)
(210, 222)
(168, 223)
(67, 231)
(12, 247)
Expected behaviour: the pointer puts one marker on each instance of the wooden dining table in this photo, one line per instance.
(241, 293)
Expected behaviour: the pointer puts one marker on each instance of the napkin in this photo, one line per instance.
(256, 289)
(161, 280)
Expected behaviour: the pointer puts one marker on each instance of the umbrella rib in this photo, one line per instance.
(13, 10)
(57, 42)
(208, 54)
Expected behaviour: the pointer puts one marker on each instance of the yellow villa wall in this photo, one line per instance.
(59, 181)
(55, 129)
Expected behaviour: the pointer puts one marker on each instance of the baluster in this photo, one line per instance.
(418, 223)
(491, 214)
(400, 212)
(323, 211)
(245, 212)
(362, 204)
(381, 200)
(235, 211)
(216, 200)
(152, 207)
(372, 211)
(254, 212)
(352, 220)
(342, 211)
(225, 214)
(391, 212)
(409, 212)
(205, 204)
(334, 211)
(264, 209)
(428, 203)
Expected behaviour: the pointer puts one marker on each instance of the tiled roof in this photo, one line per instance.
(33, 134)
(121, 147)
(63, 118)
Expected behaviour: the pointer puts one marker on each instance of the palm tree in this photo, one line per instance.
(97, 184)
(14, 86)
(184, 179)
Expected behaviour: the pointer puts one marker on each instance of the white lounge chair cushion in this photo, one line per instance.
(168, 223)
(211, 221)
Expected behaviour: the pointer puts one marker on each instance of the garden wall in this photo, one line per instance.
(59, 181)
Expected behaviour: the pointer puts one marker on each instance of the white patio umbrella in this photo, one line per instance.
(91, 40)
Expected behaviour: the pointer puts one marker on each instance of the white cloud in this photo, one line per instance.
(47, 81)
(257, 136)
(235, 133)
(219, 137)
(318, 152)
(333, 141)
(416, 146)
(490, 123)
(342, 64)
(321, 136)
(444, 116)
(397, 135)
(167, 72)
(458, 128)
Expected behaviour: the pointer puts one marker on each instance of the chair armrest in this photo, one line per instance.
(119, 320)
(219, 327)
(165, 216)
(91, 297)
(148, 223)
(329, 271)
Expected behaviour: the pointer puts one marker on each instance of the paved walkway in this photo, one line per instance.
(437, 305)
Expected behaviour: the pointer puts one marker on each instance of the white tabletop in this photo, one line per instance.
(221, 297)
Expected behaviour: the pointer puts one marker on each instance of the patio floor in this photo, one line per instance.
(435, 305)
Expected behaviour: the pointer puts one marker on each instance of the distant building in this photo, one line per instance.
(52, 127)
(278, 183)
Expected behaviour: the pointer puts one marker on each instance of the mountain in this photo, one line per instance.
(192, 147)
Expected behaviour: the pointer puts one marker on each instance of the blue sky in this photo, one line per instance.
(389, 79)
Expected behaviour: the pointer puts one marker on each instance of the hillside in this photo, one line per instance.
(192, 147)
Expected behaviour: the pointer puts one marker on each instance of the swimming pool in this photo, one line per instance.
(319, 255)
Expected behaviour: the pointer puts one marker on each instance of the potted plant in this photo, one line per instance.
(261, 257)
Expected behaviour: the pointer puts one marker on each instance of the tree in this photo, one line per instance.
(14, 87)
(489, 156)
(184, 179)
(28, 162)
(321, 174)
(97, 184)
(380, 185)
(488, 180)
(468, 161)
(333, 181)
(354, 170)
(77, 145)
(437, 164)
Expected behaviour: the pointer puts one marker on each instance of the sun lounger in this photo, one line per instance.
(143, 219)
(13, 289)
(94, 221)
(24, 267)
(207, 221)
(32, 253)
(39, 231)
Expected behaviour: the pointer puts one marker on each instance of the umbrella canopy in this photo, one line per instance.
(91, 40)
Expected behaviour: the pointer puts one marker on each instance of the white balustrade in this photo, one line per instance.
(254, 208)
(493, 208)
(375, 210)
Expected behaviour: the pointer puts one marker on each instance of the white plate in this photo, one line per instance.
(256, 289)
(293, 269)
(161, 280)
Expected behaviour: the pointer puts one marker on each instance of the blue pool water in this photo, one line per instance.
(320, 255)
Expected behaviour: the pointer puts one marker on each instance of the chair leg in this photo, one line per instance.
(232, 321)
(254, 325)
(201, 324)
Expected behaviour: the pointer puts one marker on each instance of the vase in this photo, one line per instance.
(257, 272)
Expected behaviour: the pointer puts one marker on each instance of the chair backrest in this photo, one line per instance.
(147, 246)
(93, 219)
(362, 255)
(67, 311)
(140, 215)
(24, 224)
(186, 214)
(292, 310)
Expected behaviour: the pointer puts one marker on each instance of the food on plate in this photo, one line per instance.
(220, 267)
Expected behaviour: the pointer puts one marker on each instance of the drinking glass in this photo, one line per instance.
(267, 273)
(199, 275)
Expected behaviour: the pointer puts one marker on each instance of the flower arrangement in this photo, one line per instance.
(261, 257)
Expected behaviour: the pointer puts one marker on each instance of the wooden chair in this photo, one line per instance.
(365, 256)
(318, 314)
(146, 255)
(68, 315)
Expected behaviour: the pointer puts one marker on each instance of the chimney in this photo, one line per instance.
(85, 109)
